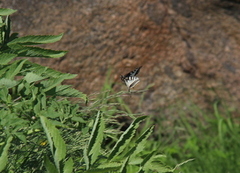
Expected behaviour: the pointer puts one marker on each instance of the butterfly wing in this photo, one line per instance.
(133, 73)
(131, 79)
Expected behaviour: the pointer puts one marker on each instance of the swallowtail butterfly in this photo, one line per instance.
(131, 79)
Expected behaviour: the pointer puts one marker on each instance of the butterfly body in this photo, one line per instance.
(130, 79)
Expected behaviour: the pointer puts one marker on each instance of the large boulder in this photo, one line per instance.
(189, 49)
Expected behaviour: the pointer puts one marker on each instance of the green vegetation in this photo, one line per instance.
(42, 131)
(212, 139)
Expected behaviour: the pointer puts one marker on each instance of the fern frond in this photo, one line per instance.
(36, 39)
(125, 138)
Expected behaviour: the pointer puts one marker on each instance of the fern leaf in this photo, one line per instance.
(140, 143)
(51, 83)
(125, 138)
(36, 39)
(94, 145)
(41, 70)
(124, 166)
(24, 51)
(152, 163)
(55, 74)
(66, 91)
(147, 158)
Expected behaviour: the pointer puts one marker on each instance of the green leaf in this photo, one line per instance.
(147, 158)
(4, 154)
(6, 11)
(56, 74)
(86, 158)
(103, 170)
(66, 91)
(125, 138)
(52, 113)
(36, 39)
(32, 77)
(15, 68)
(24, 51)
(113, 165)
(8, 83)
(3, 93)
(56, 142)
(45, 71)
(3, 70)
(68, 167)
(51, 83)
(151, 163)
(78, 119)
(124, 166)
(49, 165)
(13, 122)
(140, 143)
(95, 141)
(6, 58)
(21, 136)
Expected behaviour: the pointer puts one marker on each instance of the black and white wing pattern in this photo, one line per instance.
(131, 79)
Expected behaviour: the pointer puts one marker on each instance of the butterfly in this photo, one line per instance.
(130, 79)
